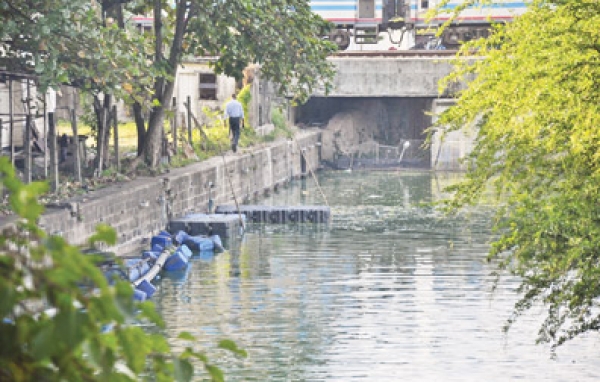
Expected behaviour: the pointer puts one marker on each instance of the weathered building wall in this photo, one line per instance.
(188, 84)
(17, 105)
(140, 208)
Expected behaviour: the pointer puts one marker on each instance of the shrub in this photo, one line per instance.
(56, 304)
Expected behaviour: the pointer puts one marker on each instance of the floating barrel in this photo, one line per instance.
(150, 255)
(218, 244)
(136, 268)
(146, 287)
(139, 295)
(161, 241)
(198, 243)
(185, 250)
(176, 262)
(114, 273)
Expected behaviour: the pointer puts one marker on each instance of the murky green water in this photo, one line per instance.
(390, 291)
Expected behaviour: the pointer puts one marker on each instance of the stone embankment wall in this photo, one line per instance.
(140, 208)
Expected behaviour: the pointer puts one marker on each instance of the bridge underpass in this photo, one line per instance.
(368, 127)
(379, 102)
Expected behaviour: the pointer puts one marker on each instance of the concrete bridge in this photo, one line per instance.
(395, 73)
(399, 89)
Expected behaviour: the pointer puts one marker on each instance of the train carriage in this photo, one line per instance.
(364, 20)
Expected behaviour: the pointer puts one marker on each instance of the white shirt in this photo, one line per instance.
(234, 109)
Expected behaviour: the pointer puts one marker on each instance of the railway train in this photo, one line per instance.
(363, 21)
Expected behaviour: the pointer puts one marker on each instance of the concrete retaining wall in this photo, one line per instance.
(388, 77)
(140, 208)
(448, 148)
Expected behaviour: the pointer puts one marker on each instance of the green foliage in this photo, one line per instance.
(71, 42)
(215, 138)
(283, 37)
(67, 42)
(244, 97)
(281, 128)
(534, 97)
(279, 121)
(56, 305)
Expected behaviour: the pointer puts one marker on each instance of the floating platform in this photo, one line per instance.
(279, 214)
(225, 226)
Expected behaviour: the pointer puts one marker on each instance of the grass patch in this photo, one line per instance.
(281, 127)
(127, 134)
(213, 140)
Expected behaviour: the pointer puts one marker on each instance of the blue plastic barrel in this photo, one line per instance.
(151, 255)
(139, 295)
(147, 288)
(199, 243)
(134, 273)
(181, 237)
(136, 268)
(187, 252)
(218, 244)
(131, 262)
(161, 240)
(144, 267)
(176, 262)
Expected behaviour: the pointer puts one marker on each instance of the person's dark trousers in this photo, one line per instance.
(234, 127)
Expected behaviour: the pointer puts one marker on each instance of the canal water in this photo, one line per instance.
(391, 290)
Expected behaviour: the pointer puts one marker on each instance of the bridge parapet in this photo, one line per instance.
(389, 74)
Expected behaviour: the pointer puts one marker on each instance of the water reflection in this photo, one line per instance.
(390, 291)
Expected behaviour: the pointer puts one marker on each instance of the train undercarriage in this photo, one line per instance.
(371, 20)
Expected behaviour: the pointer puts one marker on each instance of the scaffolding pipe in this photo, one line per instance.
(11, 122)
(45, 140)
(174, 125)
(77, 161)
(53, 159)
(27, 138)
(116, 138)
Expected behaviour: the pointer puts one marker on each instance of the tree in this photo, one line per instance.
(534, 97)
(73, 42)
(57, 304)
(283, 36)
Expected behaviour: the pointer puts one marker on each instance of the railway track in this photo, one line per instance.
(396, 53)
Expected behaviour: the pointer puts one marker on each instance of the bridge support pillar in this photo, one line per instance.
(448, 150)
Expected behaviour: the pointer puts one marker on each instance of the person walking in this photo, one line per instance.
(235, 113)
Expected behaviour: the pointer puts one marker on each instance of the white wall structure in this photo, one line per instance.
(188, 84)
(448, 148)
(13, 99)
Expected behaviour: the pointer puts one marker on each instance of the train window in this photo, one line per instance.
(208, 86)
(143, 24)
(425, 4)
